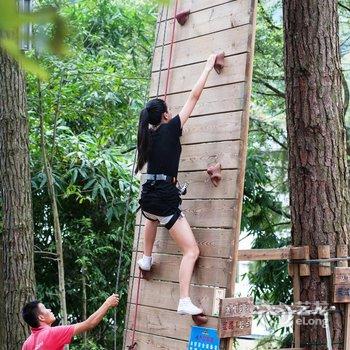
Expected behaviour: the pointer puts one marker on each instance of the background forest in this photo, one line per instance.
(90, 107)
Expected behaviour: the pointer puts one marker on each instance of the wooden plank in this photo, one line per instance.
(207, 213)
(342, 251)
(151, 342)
(232, 42)
(211, 128)
(168, 295)
(200, 156)
(194, 6)
(207, 21)
(200, 186)
(324, 252)
(219, 99)
(211, 242)
(208, 271)
(164, 322)
(264, 254)
(184, 78)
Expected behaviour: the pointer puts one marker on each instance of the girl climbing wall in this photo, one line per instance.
(159, 146)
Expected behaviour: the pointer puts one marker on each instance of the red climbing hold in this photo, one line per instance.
(200, 319)
(133, 346)
(146, 275)
(219, 62)
(182, 17)
(215, 173)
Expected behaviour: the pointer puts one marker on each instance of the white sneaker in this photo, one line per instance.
(187, 308)
(145, 263)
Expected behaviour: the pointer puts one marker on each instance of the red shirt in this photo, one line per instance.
(49, 338)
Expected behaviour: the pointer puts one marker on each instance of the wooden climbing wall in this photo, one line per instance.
(216, 133)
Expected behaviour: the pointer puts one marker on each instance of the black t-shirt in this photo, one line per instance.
(165, 150)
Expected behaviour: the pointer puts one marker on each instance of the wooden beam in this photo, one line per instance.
(264, 254)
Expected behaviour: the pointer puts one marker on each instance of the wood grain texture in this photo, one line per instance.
(212, 242)
(207, 21)
(208, 271)
(164, 322)
(168, 295)
(232, 42)
(210, 128)
(184, 78)
(154, 342)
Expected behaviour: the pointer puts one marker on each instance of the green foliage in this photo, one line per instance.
(91, 104)
(12, 23)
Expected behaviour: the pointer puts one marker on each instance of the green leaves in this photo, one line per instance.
(11, 25)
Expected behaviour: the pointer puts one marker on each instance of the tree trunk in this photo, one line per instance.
(319, 194)
(55, 215)
(15, 182)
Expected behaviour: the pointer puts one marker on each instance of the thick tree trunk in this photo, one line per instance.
(18, 236)
(319, 194)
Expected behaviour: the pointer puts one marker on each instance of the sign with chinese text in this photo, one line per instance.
(204, 338)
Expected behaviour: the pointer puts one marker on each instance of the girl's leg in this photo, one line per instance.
(145, 262)
(182, 234)
(150, 236)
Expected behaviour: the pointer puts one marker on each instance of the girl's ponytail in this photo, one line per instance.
(143, 140)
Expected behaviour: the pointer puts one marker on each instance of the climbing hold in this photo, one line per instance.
(133, 346)
(219, 62)
(200, 319)
(182, 17)
(214, 172)
(146, 275)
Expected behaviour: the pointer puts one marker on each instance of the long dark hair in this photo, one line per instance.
(151, 114)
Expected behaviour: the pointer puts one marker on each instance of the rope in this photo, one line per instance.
(139, 230)
(133, 344)
(171, 52)
(128, 205)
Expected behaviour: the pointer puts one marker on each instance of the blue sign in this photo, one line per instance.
(204, 338)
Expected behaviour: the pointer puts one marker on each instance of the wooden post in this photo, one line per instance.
(296, 299)
(324, 252)
(342, 252)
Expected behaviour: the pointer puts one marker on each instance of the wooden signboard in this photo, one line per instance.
(236, 315)
(341, 276)
(341, 294)
(341, 284)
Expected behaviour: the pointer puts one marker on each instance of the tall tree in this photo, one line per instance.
(319, 194)
(15, 185)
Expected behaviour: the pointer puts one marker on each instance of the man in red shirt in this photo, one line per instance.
(45, 337)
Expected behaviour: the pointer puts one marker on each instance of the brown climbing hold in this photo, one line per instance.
(146, 275)
(182, 17)
(133, 346)
(219, 62)
(200, 319)
(214, 172)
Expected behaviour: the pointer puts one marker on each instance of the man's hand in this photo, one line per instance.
(112, 301)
